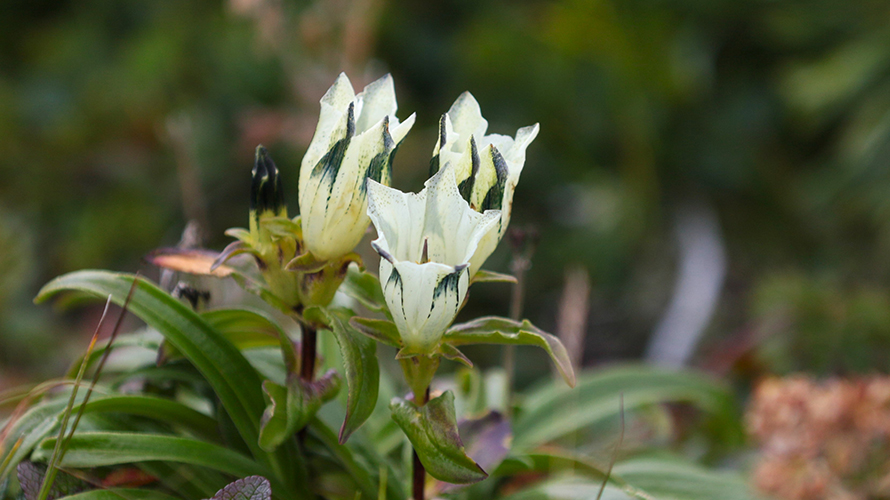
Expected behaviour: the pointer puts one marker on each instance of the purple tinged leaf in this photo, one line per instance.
(31, 476)
(488, 439)
(292, 407)
(249, 488)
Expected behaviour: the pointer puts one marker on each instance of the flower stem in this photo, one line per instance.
(523, 243)
(307, 364)
(419, 471)
(307, 353)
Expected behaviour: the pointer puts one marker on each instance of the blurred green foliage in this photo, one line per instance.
(119, 120)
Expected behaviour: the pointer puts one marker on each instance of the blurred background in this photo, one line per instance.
(710, 186)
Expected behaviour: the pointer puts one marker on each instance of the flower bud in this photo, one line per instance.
(266, 194)
(356, 138)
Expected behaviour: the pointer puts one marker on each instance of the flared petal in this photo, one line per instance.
(427, 242)
(486, 167)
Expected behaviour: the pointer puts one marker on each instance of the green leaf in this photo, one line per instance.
(249, 488)
(121, 494)
(483, 276)
(250, 328)
(230, 375)
(667, 477)
(293, 406)
(360, 361)
(577, 488)
(100, 449)
(552, 410)
(432, 430)
(27, 431)
(358, 470)
(164, 410)
(495, 330)
(365, 288)
(381, 330)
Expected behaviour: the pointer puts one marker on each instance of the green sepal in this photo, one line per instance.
(381, 330)
(484, 276)
(360, 361)
(432, 430)
(452, 353)
(239, 233)
(306, 263)
(283, 227)
(496, 330)
(293, 406)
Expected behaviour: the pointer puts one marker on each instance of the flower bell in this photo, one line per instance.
(486, 167)
(426, 242)
(356, 138)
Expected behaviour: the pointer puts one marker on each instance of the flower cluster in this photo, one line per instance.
(431, 244)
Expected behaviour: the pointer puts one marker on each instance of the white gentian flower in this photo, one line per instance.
(487, 167)
(356, 138)
(426, 242)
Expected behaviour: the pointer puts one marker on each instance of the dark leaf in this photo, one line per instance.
(31, 476)
(249, 488)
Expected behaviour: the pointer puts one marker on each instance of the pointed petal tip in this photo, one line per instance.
(339, 93)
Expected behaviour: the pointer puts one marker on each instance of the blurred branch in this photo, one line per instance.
(180, 136)
(700, 279)
(571, 324)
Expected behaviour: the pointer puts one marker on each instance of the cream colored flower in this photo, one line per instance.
(356, 138)
(426, 242)
(487, 167)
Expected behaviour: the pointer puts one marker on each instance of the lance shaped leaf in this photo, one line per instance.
(432, 430)
(293, 406)
(496, 330)
(360, 361)
(249, 488)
